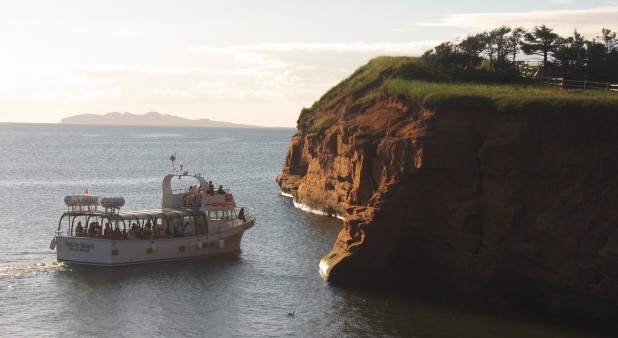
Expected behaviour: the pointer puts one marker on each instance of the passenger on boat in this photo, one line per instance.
(79, 230)
(117, 233)
(220, 190)
(241, 214)
(92, 230)
(98, 230)
(107, 232)
(211, 188)
(147, 232)
(201, 227)
(133, 231)
(188, 229)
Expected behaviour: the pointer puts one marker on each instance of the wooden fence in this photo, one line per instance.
(577, 84)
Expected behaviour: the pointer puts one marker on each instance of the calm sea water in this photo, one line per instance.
(244, 294)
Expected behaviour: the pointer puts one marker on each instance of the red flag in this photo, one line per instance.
(86, 193)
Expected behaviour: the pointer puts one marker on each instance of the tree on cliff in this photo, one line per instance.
(610, 59)
(514, 41)
(496, 44)
(471, 48)
(490, 56)
(609, 39)
(541, 41)
(571, 55)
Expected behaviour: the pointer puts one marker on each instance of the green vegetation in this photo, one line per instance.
(364, 77)
(480, 71)
(305, 112)
(359, 85)
(493, 55)
(500, 97)
(426, 83)
(322, 125)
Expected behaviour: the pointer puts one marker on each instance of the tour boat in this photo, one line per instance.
(194, 221)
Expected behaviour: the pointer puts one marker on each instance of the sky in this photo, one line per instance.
(252, 62)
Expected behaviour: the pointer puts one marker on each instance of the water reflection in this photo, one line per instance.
(154, 298)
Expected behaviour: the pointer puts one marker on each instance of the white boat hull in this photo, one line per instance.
(107, 252)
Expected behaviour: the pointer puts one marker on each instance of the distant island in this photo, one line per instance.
(148, 119)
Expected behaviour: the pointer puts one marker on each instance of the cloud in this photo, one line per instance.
(588, 22)
(263, 52)
(309, 47)
(298, 71)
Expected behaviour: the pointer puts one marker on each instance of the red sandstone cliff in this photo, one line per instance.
(510, 206)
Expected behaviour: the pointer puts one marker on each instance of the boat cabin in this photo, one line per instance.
(189, 210)
(142, 224)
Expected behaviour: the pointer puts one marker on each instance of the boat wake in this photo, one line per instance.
(16, 271)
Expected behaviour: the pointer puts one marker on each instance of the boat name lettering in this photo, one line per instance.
(79, 246)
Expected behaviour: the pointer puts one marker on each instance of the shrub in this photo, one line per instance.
(322, 125)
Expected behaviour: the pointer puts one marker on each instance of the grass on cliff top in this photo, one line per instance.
(383, 77)
(501, 97)
(377, 69)
(322, 125)
(367, 76)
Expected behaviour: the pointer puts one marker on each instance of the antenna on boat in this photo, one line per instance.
(173, 158)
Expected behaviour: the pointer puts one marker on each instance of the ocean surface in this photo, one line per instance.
(240, 295)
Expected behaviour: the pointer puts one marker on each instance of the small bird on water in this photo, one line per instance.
(291, 314)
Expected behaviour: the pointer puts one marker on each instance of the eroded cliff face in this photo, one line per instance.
(513, 207)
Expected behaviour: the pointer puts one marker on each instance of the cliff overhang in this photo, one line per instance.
(495, 198)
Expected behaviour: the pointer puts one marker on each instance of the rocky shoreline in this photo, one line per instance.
(511, 207)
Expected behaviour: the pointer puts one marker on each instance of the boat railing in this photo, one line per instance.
(250, 214)
(247, 215)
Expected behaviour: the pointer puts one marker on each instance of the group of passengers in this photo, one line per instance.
(145, 232)
(211, 189)
(193, 197)
(148, 231)
(94, 230)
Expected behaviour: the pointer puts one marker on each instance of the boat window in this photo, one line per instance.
(138, 225)
(200, 225)
(176, 226)
(188, 225)
(163, 228)
(222, 215)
